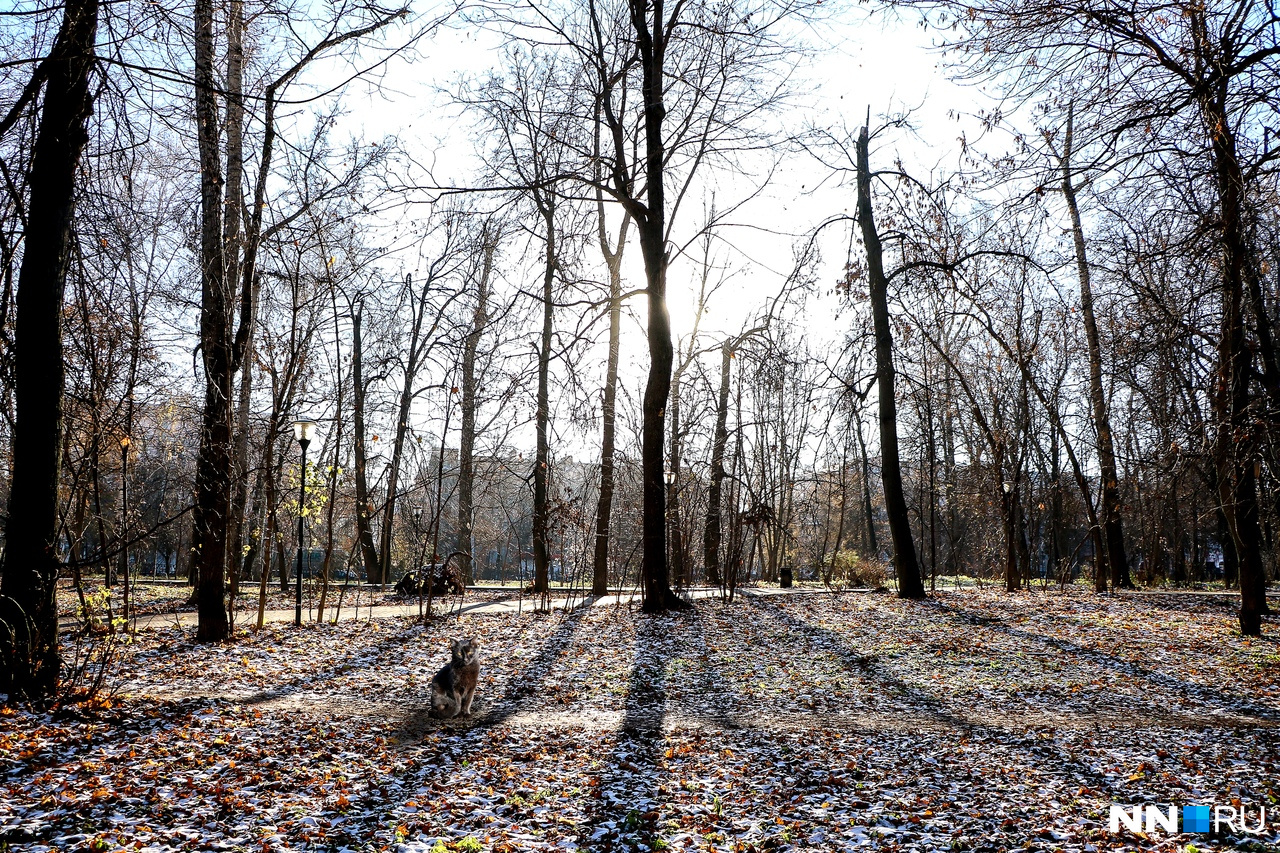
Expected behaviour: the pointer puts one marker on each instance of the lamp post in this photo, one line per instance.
(124, 522)
(668, 477)
(302, 430)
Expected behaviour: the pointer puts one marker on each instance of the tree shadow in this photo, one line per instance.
(1187, 690)
(488, 714)
(924, 704)
(626, 799)
(313, 682)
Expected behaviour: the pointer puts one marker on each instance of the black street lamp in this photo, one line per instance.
(124, 522)
(302, 431)
(668, 477)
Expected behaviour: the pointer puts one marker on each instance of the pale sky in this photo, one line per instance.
(859, 61)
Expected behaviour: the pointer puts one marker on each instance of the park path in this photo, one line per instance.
(513, 606)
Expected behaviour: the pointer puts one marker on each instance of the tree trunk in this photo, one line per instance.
(1008, 501)
(29, 659)
(604, 506)
(213, 466)
(269, 533)
(651, 45)
(541, 557)
(364, 532)
(711, 529)
(673, 491)
(608, 412)
(327, 562)
(240, 500)
(467, 437)
(904, 552)
(1237, 437)
(1113, 559)
(402, 426)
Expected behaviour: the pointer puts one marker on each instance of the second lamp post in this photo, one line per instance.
(302, 431)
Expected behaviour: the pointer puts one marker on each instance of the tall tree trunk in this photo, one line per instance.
(234, 194)
(339, 420)
(231, 241)
(650, 25)
(239, 558)
(673, 491)
(604, 506)
(608, 412)
(904, 552)
(1009, 503)
(870, 543)
(29, 659)
(467, 437)
(407, 394)
(711, 528)
(213, 466)
(364, 531)
(1113, 559)
(1237, 439)
(542, 461)
(1056, 546)
(327, 563)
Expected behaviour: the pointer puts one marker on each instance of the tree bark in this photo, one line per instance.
(608, 413)
(231, 236)
(1112, 560)
(711, 528)
(1237, 439)
(213, 466)
(467, 436)
(542, 461)
(364, 531)
(29, 659)
(239, 558)
(402, 427)
(910, 584)
(870, 542)
(673, 490)
(651, 30)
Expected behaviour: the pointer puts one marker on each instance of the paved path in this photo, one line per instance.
(514, 604)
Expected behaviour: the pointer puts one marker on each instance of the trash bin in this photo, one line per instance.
(785, 579)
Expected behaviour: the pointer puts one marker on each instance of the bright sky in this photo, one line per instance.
(858, 61)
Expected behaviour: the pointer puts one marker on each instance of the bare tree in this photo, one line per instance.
(910, 584)
(29, 658)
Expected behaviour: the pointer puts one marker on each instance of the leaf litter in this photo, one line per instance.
(973, 721)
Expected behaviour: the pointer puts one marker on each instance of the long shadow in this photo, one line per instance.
(314, 681)
(1186, 689)
(626, 806)
(868, 666)
(931, 705)
(488, 714)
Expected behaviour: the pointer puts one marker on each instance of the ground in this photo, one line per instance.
(976, 720)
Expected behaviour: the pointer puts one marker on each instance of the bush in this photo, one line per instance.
(848, 568)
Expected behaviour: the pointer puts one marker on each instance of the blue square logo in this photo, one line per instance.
(1195, 818)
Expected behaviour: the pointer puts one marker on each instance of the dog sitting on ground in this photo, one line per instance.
(454, 686)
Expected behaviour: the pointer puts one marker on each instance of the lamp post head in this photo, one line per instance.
(303, 430)
(124, 442)
(668, 477)
(1007, 486)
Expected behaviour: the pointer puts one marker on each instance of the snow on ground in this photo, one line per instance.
(974, 721)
